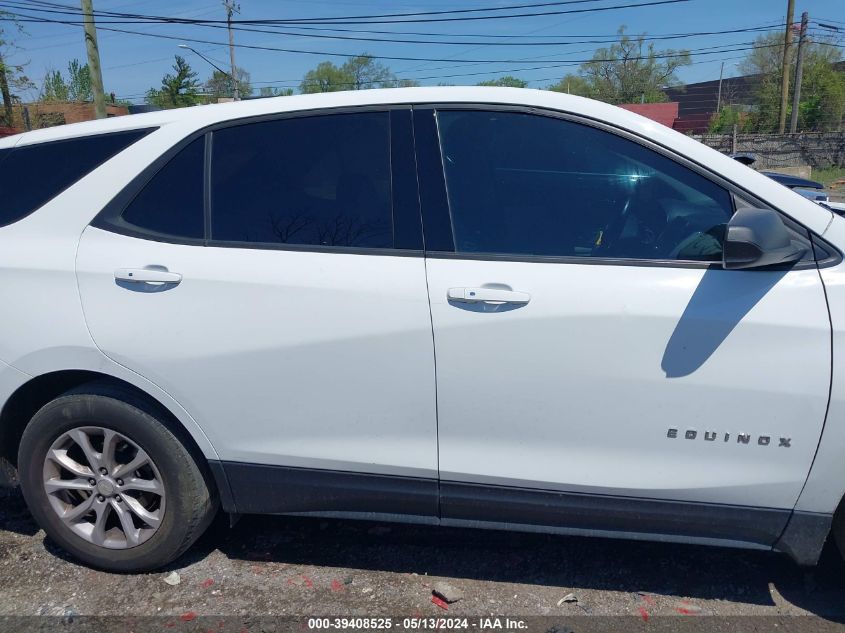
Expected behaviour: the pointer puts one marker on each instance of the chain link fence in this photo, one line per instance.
(818, 150)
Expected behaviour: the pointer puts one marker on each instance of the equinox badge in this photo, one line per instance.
(741, 438)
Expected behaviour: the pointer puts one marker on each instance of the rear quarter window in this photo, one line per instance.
(32, 175)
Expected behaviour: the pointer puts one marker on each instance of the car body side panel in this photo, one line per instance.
(41, 303)
(39, 294)
(284, 357)
(578, 390)
(825, 485)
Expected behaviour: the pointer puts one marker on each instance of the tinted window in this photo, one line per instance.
(171, 203)
(532, 185)
(34, 174)
(322, 180)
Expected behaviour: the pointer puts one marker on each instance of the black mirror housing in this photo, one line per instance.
(756, 238)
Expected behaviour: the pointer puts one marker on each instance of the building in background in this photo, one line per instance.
(34, 116)
(665, 113)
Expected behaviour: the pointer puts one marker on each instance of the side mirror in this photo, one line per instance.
(756, 238)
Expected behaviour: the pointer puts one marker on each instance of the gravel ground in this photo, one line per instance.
(297, 566)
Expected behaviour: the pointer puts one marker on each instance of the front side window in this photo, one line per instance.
(32, 175)
(317, 180)
(524, 184)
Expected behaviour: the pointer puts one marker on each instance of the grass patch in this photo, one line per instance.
(829, 175)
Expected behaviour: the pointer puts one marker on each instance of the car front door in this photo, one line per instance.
(279, 295)
(596, 367)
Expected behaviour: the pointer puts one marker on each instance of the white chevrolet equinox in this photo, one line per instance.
(461, 306)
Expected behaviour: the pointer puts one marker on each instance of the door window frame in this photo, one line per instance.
(437, 217)
(404, 194)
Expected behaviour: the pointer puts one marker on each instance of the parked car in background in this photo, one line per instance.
(238, 306)
(810, 189)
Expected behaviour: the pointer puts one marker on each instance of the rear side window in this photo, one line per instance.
(171, 203)
(319, 180)
(33, 175)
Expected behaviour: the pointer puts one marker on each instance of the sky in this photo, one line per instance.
(134, 63)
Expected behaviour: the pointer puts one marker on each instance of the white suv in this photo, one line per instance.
(464, 306)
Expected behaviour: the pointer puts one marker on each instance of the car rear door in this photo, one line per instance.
(596, 367)
(268, 274)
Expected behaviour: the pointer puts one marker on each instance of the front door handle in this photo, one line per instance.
(495, 296)
(147, 275)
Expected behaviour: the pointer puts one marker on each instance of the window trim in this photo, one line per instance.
(143, 131)
(109, 217)
(731, 187)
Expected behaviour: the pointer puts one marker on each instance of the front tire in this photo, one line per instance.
(110, 484)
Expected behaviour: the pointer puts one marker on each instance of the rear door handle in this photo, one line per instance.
(495, 296)
(147, 275)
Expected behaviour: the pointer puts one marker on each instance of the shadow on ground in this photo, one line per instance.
(704, 573)
(573, 562)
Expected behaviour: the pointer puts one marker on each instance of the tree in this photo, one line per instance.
(356, 73)
(728, 116)
(219, 85)
(364, 72)
(268, 91)
(54, 87)
(326, 77)
(76, 88)
(630, 71)
(508, 81)
(12, 77)
(178, 90)
(572, 85)
(822, 105)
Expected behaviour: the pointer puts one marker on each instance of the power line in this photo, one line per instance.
(414, 14)
(393, 58)
(349, 20)
(609, 40)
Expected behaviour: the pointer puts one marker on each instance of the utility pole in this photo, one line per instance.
(4, 89)
(232, 8)
(799, 72)
(719, 98)
(93, 59)
(784, 87)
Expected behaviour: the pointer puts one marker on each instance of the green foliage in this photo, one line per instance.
(822, 105)
(573, 85)
(178, 90)
(219, 85)
(364, 72)
(326, 77)
(76, 88)
(829, 175)
(15, 79)
(79, 86)
(54, 87)
(630, 71)
(268, 91)
(508, 81)
(724, 121)
(356, 73)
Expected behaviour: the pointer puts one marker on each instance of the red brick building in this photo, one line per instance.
(45, 114)
(665, 113)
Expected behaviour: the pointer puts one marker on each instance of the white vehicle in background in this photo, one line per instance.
(464, 306)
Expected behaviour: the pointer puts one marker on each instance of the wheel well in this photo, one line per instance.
(30, 397)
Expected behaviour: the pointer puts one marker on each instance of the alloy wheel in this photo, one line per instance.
(104, 487)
